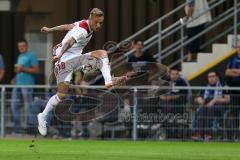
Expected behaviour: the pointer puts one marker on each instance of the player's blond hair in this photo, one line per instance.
(96, 12)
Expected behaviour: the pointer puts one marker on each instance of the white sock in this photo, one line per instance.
(106, 71)
(52, 102)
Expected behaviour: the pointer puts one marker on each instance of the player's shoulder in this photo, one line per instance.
(83, 24)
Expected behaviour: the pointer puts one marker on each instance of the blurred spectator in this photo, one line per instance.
(2, 68)
(211, 106)
(193, 10)
(25, 68)
(172, 103)
(233, 80)
(138, 59)
(174, 100)
(139, 55)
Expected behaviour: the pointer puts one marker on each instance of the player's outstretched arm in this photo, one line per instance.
(64, 27)
(65, 47)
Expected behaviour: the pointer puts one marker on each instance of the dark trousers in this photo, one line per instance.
(194, 46)
(205, 117)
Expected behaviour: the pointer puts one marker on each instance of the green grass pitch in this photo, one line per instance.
(116, 150)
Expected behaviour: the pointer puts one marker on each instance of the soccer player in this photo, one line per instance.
(68, 57)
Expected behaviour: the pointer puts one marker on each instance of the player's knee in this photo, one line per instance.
(101, 53)
(63, 88)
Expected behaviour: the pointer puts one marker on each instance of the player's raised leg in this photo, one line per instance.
(105, 66)
(102, 55)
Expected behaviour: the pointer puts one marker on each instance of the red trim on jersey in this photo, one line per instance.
(83, 24)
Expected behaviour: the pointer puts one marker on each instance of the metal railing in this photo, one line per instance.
(177, 30)
(141, 113)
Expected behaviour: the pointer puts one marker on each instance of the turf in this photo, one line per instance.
(116, 150)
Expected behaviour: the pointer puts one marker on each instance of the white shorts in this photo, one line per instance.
(63, 70)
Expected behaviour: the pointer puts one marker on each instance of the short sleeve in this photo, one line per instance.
(150, 58)
(182, 83)
(131, 58)
(78, 34)
(2, 65)
(34, 60)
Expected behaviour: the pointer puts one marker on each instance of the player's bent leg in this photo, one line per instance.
(99, 54)
(63, 88)
(105, 66)
(106, 71)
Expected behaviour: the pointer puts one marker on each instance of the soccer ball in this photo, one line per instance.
(91, 67)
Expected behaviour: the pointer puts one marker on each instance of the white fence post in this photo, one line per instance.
(2, 111)
(135, 103)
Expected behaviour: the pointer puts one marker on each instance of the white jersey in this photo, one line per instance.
(82, 33)
(200, 7)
